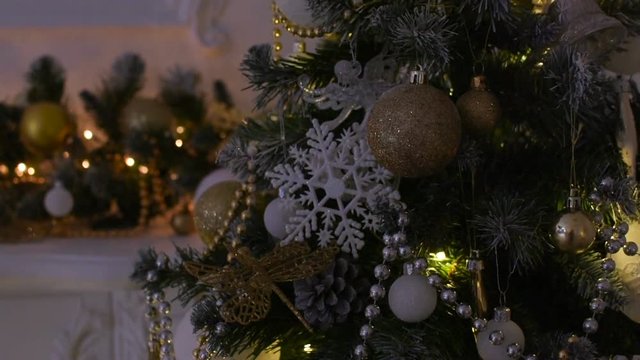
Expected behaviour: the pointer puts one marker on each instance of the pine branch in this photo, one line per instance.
(265, 133)
(180, 91)
(115, 92)
(46, 79)
(511, 223)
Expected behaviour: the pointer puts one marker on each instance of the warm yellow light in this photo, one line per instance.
(86, 163)
(129, 161)
(180, 130)
(174, 176)
(523, 58)
(179, 143)
(143, 169)
(307, 348)
(88, 134)
(65, 154)
(440, 256)
(31, 170)
(4, 169)
(22, 167)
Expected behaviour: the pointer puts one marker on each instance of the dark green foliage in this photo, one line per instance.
(46, 80)
(115, 92)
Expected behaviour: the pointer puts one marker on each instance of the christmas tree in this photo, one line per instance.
(436, 180)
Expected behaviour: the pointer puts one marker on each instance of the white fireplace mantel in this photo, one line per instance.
(71, 299)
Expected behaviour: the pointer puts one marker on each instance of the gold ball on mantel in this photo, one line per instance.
(182, 222)
(212, 208)
(45, 127)
(146, 116)
(414, 130)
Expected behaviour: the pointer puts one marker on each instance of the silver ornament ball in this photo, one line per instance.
(221, 328)
(166, 322)
(360, 351)
(365, 331)
(166, 336)
(603, 285)
(622, 228)
(389, 253)
(164, 307)
(372, 311)
(514, 350)
(399, 238)
(434, 280)
(152, 276)
(464, 311)
(479, 324)
(496, 337)
(597, 305)
(381, 272)
(608, 265)
(404, 251)
(449, 296)
(613, 246)
(590, 325)
(403, 219)
(630, 248)
(420, 264)
(377, 291)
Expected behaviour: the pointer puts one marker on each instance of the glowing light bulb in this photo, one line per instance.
(307, 348)
(88, 134)
(143, 169)
(440, 256)
(31, 170)
(180, 130)
(179, 143)
(129, 161)
(86, 163)
(4, 169)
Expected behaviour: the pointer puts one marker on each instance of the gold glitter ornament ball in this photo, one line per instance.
(414, 130)
(44, 127)
(212, 210)
(479, 108)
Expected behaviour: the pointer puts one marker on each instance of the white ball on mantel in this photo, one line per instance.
(276, 217)
(214, 177)
(412, 299)
(58, 201)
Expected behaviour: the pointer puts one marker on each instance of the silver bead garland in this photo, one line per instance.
(160, 337)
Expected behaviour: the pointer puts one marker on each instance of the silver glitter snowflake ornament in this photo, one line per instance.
(334, 182)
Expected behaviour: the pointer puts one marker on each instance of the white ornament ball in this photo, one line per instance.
(512, 334)
(628, 267)
(296, 11)
(58, 201)
(411, 298)
(276, 218)
(214, 177)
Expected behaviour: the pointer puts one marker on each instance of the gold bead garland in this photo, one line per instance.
(281, 20)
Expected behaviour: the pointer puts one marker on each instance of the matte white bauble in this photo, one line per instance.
(296, 11)
(628, 268)
(214, 177)
(58, 201)
(511, 333)
(276, 218)
(411, 298)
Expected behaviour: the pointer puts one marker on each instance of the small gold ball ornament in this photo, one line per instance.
(146, 116)
(182, 222)
(414, 129)
(573, 232)
(44, 127)
(212, 209)
(479, 108)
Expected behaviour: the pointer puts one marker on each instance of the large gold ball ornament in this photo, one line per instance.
(414, 130)
(44, 127)
(479, 108)
(574, 231)
(212, 208)
(146, 116)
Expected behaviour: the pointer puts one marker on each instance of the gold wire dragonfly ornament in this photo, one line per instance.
(249, 285)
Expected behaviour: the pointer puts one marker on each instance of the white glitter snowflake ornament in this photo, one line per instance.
(334, 182)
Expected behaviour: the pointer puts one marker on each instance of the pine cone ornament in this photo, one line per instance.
(330, 296)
